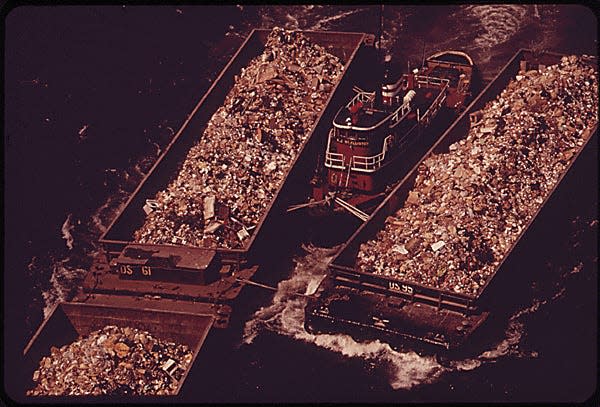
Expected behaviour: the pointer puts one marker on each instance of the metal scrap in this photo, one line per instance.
(247, 147)
(112, 361)
(478, 197)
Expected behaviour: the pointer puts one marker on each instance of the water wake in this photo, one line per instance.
(308, 17)
(67, 271)
(66, 230)
(285, 316)
(63, 284)
(497, 23)
(406, 368)
(325, 22)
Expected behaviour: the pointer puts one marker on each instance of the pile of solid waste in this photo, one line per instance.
(468, 206)
(112, 361)
(234, 171)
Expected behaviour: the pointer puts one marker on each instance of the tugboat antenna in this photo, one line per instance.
(380, 33)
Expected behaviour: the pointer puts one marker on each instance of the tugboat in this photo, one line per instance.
(372, 134)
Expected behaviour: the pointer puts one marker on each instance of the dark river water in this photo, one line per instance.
(92, 95)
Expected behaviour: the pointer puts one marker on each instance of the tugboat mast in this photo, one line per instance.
(380, 33)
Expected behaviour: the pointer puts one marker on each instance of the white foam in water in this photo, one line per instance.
(63, 282)
(466, 364)
(285, 316)
(304, 17)
(325, 22)
(507, 346)
(96, 220)
(313, 285)
(66, 229)
(66, 279)
(108, 210)
(292, 22)
(498, 22)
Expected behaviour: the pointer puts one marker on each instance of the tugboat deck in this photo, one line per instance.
(370, 118)
(446, 73)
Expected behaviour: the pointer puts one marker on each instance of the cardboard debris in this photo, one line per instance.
(209, 207)
(438, 245)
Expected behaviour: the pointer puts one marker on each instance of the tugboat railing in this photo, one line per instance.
(435, 106)
(368, 163)
(333, 160)
(400, 114)
(357, 163)
(363, 97)
(430, 80)
(371, 163)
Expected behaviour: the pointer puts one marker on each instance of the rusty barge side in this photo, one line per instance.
(369, 305)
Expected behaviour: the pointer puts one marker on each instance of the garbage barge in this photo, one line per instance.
(176, 289)
(397, 280)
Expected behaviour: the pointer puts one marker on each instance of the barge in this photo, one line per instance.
(178, 291)
(371, 305)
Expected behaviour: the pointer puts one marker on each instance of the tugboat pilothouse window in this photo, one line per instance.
(343, 134)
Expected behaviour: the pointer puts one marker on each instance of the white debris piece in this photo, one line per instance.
(151, 205)
(209, 207)
(438, 245)
(243, 234)
(400, 249)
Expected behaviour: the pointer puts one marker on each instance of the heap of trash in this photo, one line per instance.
(112, 361)
(468, 206)
(234, 171)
